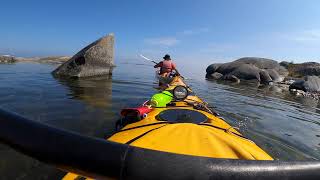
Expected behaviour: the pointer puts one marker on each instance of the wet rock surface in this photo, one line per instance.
(214, 76)
(231, 78)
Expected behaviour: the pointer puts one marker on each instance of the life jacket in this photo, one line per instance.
(167, 66)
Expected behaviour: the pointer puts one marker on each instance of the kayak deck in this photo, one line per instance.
(212, 137)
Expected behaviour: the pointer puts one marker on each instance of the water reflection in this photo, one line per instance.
(97, 118)
(95, 91)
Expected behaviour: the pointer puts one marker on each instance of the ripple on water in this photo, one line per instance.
(282, 120)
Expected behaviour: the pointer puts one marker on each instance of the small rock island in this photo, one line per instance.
(94, 60)
(300, 78)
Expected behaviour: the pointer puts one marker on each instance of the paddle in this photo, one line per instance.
(147, 59)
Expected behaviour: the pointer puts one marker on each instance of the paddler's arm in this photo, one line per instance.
(158, 65)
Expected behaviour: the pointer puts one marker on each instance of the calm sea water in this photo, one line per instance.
(287, 127)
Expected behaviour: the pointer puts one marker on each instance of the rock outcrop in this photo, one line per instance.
(212, 68)
(300, 79)
(7, 59)
(231, 78)
(249, 68)
(214, 76)
(309, 84)
(285, 64)
(276, 76)
(304, 69)
(94, 60)
(261, 63)
(283, 71)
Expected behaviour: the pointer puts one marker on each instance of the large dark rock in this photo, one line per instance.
(212, 68)
(93, 60)
(309, 84)
(261, 63)
(259, 69)
(7, 59)
(265, 77)
(275, 76)
(227, 68)
(246, 71)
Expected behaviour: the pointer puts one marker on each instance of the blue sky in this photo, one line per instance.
(197, 32)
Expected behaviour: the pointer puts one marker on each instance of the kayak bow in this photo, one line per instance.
(182, 127)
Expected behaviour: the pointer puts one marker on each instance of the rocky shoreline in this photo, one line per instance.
(300, 79)
(285, 86)
(49, 59)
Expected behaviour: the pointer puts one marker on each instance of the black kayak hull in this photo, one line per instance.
(98, 158)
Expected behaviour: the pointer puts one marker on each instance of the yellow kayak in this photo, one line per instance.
(174, 135)
(186, 126)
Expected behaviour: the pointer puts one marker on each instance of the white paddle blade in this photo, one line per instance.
(145, 57)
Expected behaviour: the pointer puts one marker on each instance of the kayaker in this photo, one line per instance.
(166, 66)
